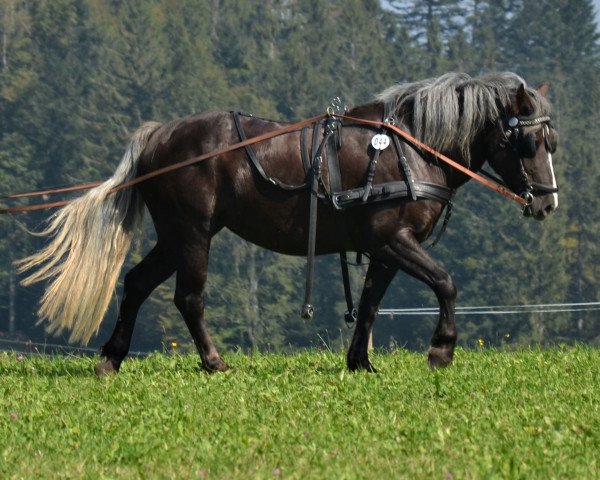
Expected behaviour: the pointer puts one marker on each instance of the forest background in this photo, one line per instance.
(78, 76)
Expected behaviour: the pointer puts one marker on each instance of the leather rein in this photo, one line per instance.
(245, 143)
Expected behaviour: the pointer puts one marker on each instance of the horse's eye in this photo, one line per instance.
(527, 146)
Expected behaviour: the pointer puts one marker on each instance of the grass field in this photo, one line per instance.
(494, 414)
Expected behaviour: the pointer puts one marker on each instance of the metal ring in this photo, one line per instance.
(528, 196)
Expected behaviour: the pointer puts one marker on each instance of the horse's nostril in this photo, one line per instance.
(544, 212)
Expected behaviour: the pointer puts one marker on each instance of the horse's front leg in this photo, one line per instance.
(189, 299)
(408, 255)
(377, 280)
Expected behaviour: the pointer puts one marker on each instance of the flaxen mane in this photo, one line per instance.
(449, 111)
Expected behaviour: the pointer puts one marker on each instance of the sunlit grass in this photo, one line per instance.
(525, 414)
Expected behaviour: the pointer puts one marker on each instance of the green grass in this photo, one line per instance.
(493, 414)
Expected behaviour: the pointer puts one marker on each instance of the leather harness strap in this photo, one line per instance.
(304, 151)
(392, 190)
(317, 160)
(410, 181)
(256, 163)
(333, 131)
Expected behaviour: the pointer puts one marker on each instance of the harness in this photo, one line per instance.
(326, 142)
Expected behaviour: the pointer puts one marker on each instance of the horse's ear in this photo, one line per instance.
(543, 89)
(524, 103)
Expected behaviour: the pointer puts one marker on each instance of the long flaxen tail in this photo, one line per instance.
(91, 237)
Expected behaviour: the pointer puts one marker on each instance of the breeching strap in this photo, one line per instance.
(259, 138)
(499, 188)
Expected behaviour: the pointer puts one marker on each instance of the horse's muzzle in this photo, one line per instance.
(539, 207)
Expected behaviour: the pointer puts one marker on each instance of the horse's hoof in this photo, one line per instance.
(370, 368)
(217, 365)
(366, 365)
(439, 357)
(106, 368)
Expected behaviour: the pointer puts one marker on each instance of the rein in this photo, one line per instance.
(265, 136)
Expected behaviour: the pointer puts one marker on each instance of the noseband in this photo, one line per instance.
(524, 146)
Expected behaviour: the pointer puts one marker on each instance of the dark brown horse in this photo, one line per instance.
(494, 119)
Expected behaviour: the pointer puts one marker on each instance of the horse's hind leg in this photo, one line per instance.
(377, 280)
(189, 299)
(139, 283)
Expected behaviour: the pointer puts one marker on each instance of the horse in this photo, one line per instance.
(265, 192)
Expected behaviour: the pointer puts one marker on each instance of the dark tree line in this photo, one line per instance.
(78, 76)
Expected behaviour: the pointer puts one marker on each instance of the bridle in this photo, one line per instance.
(523, 144)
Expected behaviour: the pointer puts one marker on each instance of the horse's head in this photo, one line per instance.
(523, 155)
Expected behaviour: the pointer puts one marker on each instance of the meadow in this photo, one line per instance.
(530, 413)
